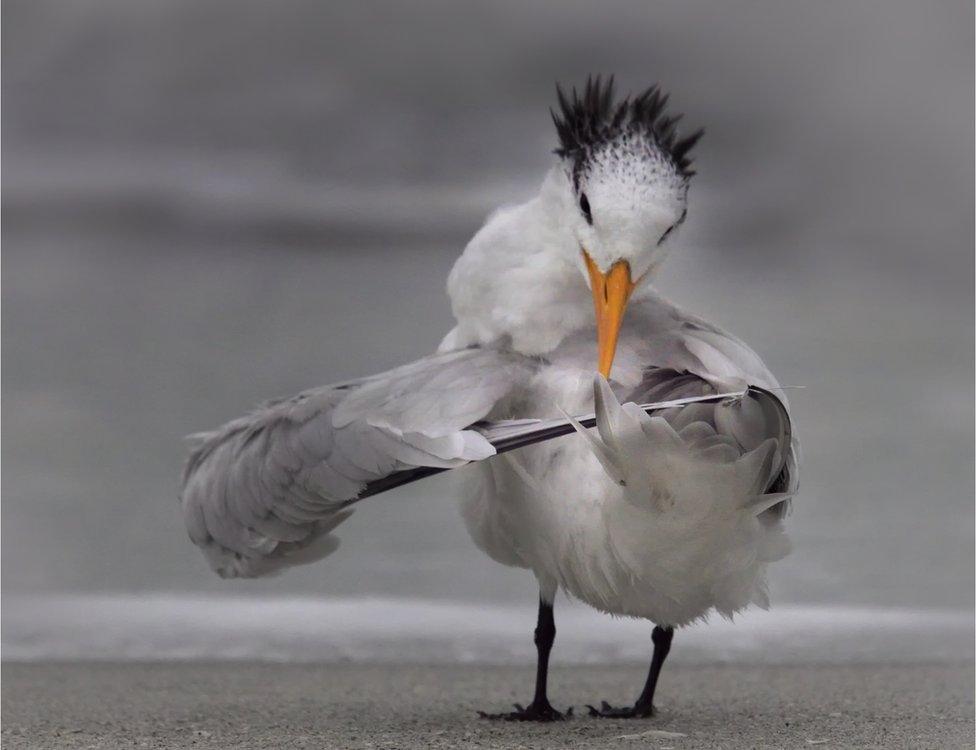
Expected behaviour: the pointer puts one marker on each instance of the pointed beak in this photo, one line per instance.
(611, 290)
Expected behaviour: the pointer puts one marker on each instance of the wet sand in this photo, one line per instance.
(255, 705)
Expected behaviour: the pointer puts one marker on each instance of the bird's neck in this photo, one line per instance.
(516, 282)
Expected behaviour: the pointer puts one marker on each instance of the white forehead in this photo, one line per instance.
(630, 174)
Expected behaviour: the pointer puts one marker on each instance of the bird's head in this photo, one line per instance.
(628, 172)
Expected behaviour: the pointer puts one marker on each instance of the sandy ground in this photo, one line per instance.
(235, 705)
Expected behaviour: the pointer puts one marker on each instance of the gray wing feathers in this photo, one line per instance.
(754, 429)
(694, 346)
(265, 491)
(694, 357)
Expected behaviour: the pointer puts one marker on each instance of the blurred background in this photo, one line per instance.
(207, 204)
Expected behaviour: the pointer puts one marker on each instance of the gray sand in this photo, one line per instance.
(234, 705)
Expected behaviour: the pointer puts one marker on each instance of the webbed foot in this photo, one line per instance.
(606, 711)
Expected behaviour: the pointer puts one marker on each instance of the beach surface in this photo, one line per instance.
(266, 705)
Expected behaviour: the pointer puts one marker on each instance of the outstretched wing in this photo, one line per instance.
(265, 491)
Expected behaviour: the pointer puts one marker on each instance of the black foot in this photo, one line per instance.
(606, 711)
(534, 712)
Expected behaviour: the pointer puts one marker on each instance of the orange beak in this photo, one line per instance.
(611, 291)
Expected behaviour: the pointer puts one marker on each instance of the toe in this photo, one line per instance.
(534, 712)
(606, 711)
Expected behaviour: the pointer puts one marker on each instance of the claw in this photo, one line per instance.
(541, 712)
(606, 711)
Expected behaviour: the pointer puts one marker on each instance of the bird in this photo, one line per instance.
(624, 451)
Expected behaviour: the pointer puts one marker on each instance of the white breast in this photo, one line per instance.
(551, 508)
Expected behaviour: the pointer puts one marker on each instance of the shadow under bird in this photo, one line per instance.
(671, 508)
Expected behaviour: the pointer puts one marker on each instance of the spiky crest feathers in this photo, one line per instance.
(591, 119)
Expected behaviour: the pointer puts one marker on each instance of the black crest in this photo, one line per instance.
(595, 118)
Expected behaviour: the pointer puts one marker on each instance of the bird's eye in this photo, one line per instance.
(666, 233)
(584, 204)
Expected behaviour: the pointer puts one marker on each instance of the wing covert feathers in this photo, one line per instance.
(265, 491)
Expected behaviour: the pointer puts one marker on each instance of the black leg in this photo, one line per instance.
(662, 645)
(540, 709)
(644, 706)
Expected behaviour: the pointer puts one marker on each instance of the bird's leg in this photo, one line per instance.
(545, 634)
(540, 709)
(644, 707)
